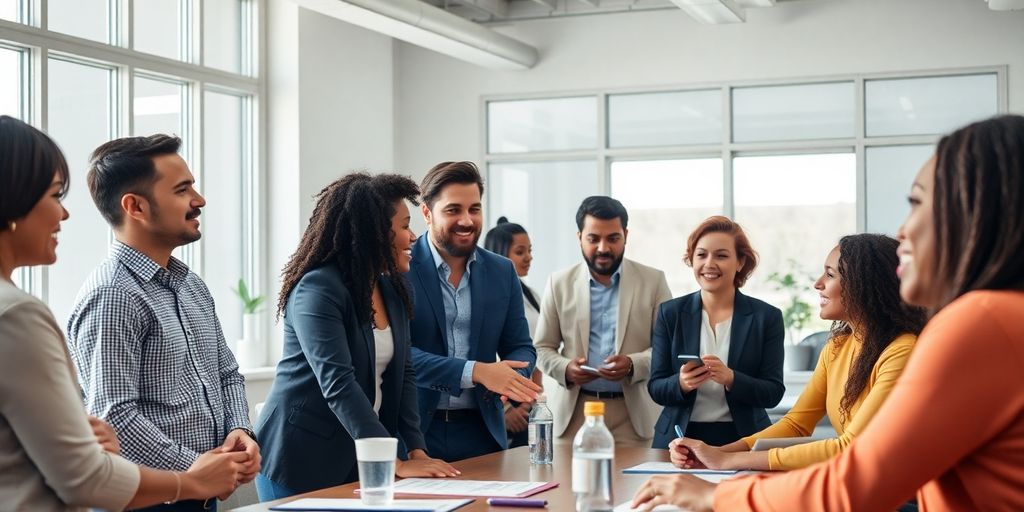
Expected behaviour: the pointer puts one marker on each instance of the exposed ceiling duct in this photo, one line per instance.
(712, 12)
(424, 25)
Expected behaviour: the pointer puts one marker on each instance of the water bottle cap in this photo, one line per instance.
(593, 409)
(542, 399)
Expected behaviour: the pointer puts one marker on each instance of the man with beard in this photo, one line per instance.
(468, 308)
(594, 332)
(144, 336)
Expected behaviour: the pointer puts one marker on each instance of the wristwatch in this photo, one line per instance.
(248, 432)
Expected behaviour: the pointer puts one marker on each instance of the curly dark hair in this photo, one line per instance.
(871, 296)
(351, 227)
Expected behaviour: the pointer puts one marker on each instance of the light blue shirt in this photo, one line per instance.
(458, 309)
(604, 315)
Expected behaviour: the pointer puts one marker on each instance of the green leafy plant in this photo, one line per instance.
(250, 304)
(797, 313)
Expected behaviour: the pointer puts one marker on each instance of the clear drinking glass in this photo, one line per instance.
(376, 459)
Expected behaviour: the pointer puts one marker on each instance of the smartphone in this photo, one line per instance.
(686, 358)
(589, 369)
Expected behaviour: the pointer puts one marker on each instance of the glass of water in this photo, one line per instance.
(376, 459)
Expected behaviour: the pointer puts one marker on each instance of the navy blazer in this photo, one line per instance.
(498, 326)
(323, 392)
(755, 356)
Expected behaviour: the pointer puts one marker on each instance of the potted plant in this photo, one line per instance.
(796, 314)
(250, 352)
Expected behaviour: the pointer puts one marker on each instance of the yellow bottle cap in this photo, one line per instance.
(593, 409)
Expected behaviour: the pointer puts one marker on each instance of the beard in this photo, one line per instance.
(445, 238)
(606, 270)
(178, 238)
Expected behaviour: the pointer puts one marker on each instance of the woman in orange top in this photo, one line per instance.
(873, 333)
(953, 427)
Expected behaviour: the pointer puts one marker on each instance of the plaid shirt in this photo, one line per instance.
(152, 360)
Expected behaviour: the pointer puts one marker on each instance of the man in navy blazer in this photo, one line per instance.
(468, 312)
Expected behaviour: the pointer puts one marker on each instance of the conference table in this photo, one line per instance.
(514, 465)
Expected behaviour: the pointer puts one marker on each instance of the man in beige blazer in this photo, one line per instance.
(594, 333)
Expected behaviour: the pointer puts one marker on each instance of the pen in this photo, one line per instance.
(516, 502)
(679, 431)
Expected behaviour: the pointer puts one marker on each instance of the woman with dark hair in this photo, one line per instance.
(52, 456)
(510, 240)
(873, 333)
(722, 395)
(946, 431)
(346, 372)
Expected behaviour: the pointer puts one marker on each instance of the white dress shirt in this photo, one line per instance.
(710, 403)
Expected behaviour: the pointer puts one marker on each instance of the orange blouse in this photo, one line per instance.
(952, 429)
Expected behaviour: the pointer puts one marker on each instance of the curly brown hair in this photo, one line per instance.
(351, 228)
(871, 296)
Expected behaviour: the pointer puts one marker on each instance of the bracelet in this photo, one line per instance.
(177, 493)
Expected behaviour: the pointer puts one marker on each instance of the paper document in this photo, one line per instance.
(318, 504)
(781, 442)
(711, 475)
(667, 467)
(625, 507)
(488, 488)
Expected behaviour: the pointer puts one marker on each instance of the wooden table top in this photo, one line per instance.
(514, 465)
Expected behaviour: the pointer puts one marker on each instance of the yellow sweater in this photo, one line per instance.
(823, 395)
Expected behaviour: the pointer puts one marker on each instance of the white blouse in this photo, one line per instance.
(384, 346)
(710, 403)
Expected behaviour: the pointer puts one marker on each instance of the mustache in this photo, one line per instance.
(193, 214)
(603, 254)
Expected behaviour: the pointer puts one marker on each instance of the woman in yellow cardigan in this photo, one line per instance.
(873, 333)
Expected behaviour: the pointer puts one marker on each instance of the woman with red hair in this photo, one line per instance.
(721, 395)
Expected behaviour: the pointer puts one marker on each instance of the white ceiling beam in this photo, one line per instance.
(550, 4)
(592, 3)
(712, 12)
(756, 3)
(1005, 5)
(424, 25)
(496, 8)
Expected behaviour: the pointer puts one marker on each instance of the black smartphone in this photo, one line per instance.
(686, 358)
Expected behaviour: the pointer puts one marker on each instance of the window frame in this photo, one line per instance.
(31, 36)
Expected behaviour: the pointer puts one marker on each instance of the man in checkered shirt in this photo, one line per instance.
(144, 334)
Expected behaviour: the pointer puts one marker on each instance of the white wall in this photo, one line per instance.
(438, 98)
(330, 110)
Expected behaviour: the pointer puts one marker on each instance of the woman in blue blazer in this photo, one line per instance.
(723, 396)
(346, 371)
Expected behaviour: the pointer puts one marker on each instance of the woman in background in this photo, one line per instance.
(738, 339)
(873, 333)
(346, 372)
(52, 456)
(511, 241)
(948, 430)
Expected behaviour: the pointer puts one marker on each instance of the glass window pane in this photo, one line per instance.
(10, 82)
(543, 197)
(542, 125)
(158, 106)
(10, 10)
(913, 106)
(82, 18)
(79, 120)
(222, 34)
(794, 209)
(223, 184)
(665, 118)
(661, 217)
(157, 27)
(890, 172)
(790, 112)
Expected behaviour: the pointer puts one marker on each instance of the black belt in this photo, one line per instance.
(450, 415)
(603, 394)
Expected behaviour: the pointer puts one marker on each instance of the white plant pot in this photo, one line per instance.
(251, 352)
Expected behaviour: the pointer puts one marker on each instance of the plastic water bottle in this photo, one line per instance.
(539, 432)
(593, 452)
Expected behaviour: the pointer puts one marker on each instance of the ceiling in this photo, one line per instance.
(496, 11)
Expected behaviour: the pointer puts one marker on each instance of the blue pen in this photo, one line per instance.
(679, 431)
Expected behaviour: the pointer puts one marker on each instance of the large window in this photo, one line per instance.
(798, 164)
(92, 70)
